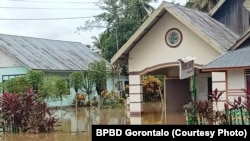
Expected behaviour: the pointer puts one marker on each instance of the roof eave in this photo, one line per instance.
(223, 69)
(216, 7)
(243, 38)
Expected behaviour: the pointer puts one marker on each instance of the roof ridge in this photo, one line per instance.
(40, 38)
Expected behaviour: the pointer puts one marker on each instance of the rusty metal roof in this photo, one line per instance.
(46, 54)
(239, 58)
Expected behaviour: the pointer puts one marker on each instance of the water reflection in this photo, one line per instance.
(78, 128)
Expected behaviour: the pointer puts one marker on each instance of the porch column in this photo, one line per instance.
(136, 99)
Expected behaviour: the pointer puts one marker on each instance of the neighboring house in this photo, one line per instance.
(20, 54)
(233, 13)
(231, 71)
(170, 33)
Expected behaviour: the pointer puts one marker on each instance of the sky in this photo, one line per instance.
(58, 19)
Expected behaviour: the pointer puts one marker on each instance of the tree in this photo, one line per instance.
(35, 79)
(121, 18)
(151, 87)
(16, 85)
(202, 5)
(76, 82)
(115, 72)
(54, 88)
(98, 72)
(88, 84)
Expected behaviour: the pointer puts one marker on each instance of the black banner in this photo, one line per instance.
(172, 132)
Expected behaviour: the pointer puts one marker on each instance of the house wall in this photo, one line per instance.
(7, 61)
(153, 46)
(231, 81)
(112, 83)
(236, 82)
(12, 71)
(219, 81)
(202, 89)
(234, 15)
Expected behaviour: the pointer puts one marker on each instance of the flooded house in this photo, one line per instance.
(19, 54)
(171, 33)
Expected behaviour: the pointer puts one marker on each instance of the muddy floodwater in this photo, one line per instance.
(76, 126)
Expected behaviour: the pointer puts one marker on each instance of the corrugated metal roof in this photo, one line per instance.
(210, 27)
(46, 54)
(201, 23)
(231, 59)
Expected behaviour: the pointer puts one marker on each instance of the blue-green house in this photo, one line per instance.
(20, 54)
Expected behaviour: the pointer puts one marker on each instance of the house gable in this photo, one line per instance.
(211, 31)
(8, 61)
(152, 50)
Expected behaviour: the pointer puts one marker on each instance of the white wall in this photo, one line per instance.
(236, 82)
(152, 49)
(202, 86)
(7, 61)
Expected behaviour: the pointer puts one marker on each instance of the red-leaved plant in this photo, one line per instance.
(26, 113)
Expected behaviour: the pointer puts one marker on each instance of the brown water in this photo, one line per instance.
(76, 126)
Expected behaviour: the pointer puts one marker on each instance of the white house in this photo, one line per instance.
(170, 33)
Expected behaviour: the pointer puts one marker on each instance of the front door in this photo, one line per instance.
(177, 94)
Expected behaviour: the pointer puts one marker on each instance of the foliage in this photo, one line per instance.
(16, 85)
(88, 84)
(76, 80)
(26, 113)
(121, 19)
(151, 84)
(80, 97)
(111, 100)
(151, 87)
(115, 72)
(98, 72)
(54, 88)
(202, 5)
(35, 79)
(199, 112)
(51, 87)
(236, 112)
(125, 92)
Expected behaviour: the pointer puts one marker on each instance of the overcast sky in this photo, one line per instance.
(59, 28)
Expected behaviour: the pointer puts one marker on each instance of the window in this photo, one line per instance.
(248, 80)
(119, 85)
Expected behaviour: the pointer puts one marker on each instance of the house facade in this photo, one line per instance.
(231, 71)
(19, 54)
(169, 34)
